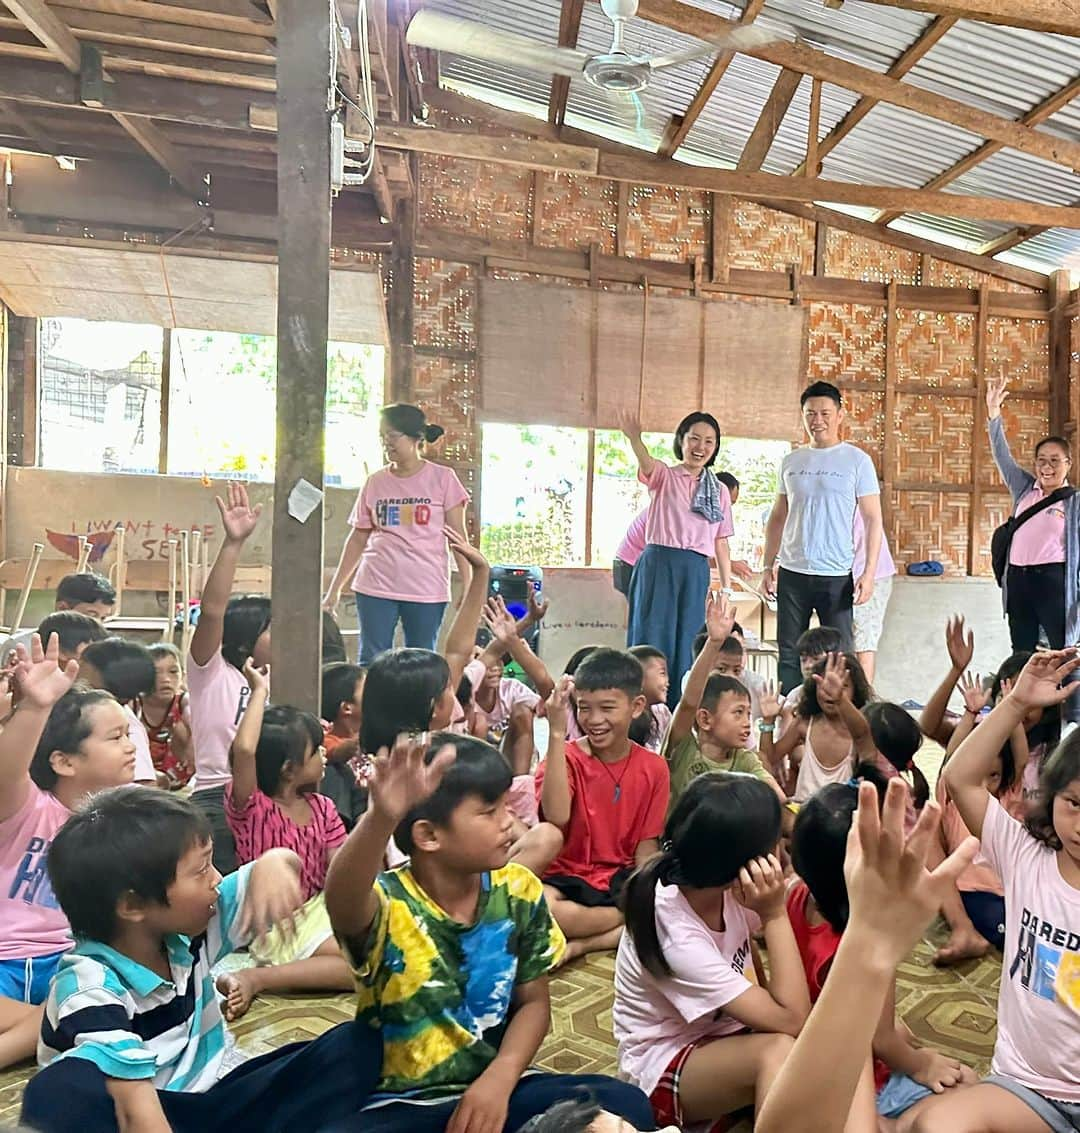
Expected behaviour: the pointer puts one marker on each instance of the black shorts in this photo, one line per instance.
(621, 573)
(582, 893)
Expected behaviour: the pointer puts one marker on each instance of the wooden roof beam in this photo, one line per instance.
(768, 124)
(702, 24)
(569, 26)
(1060, 16)
(1018, 235)
(186, 16)
(921, 47)
(680, 125)
(1045, 109)
(35, 134)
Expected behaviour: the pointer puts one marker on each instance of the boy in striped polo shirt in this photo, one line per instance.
(133, 1036)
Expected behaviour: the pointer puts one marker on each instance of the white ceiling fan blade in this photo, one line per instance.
(737, 39)
(441, 32)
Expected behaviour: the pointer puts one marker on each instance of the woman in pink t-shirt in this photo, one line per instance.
(689, 522)
(396, 552)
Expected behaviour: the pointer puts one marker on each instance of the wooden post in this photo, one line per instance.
(166, 393)
(720, 236)
(821, 245)
(401, 299)
(888, 456)
(1060, 347)
(590, 478)
(537, 217)
(622, 218)
(813, 128)
(304, 80)
(31, 365)
(978, 421)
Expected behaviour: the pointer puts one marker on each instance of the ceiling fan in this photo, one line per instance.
(616, 71)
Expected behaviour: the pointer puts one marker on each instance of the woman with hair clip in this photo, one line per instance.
(689, 523)
(396, 551)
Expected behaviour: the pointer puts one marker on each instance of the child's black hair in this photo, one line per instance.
(464, 692)
(72, 629)
(700, 638)
(641, 726)
(721, 821)
(286, 737)
(67, 728)
(1046, 731)
(162, 649)
(898, 738)
(647, 653)
(127, 668)
(333, 644)
(861, 692)
(819, 640)
(729, 480)
(479, 770)
(87, 587)
(1009, 670)
(610, 668)
(570, 1115)
(577, 657)
(819, 841)
(733, 647)
(247, 618)
(717, 685)
(1056, 773)
(124, 840)
(401, 691)
(339, 681)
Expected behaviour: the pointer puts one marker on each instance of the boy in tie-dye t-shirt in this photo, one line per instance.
(451, 953)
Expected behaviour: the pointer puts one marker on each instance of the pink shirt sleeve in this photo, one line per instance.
(454, 494)
(360, 516)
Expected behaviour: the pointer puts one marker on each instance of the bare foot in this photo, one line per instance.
(602, 942)
(239, 989)
(961, 945)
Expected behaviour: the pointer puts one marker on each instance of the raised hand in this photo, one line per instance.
(558, 705)
(258, 677)
(740, 568)
(961, 646)
(499, 621)
(39, 680)
(996, 394)
(830, 684)
(238, 517)
(461, 546)
(760, 887)
(1040, 683)
(975, 696)
(719, 617)
(769, 700)
(538, 606)
(273, 894)
(401, 778)
(629, 422)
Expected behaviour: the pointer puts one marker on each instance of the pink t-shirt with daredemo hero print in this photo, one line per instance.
(406, 557)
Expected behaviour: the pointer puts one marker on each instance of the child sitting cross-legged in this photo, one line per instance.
(903, 1073)
(712, 725)
(452, 952)
(278, 760)
(133, 1037)
(697, 1028)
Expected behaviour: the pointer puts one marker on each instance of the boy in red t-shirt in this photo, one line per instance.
(607, 795)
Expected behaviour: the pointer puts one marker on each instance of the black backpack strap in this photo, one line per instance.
(1055, 497)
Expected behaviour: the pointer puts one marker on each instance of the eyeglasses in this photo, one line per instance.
(391, 438)
(1051, 462)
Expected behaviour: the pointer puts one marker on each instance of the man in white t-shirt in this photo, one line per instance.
(809, 545)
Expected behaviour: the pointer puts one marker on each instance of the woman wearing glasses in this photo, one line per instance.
(1040, 586)
(396, 552)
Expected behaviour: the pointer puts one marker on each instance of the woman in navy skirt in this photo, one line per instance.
(689, 522)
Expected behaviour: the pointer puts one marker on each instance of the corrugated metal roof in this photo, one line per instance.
(1005, 71)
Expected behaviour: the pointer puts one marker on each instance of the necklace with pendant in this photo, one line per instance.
(618, 781)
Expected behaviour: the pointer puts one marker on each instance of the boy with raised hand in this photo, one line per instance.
(712, 726)
(451, 953)
(133, 1038)
(607, 794)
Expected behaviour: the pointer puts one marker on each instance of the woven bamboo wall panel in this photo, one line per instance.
(446, 390)
(993, 511)
(1026, 423)
(940, 273)
(931, 525)
(765, 240)
(480, 198)
(667, 224)
(444, 296)
(847, 341)
(937, 347)
(1074, 367)
(864, 424)
(855, 257)
(933, 439)
(1019, 351)
(576, 211)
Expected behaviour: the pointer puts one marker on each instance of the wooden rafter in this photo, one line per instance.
(768, 123)
(1061, 16)
(459, 105)
(45, 26)
(33, 131)
(929, 38)
(569, 26)
(186, 16)
(683, 17)
(680, 125)
(648, 170)
(1045, 109)
(1015, 236)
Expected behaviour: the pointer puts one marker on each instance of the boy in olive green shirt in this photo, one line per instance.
(711, 728)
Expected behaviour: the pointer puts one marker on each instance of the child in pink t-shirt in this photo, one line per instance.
(688, 990)
(230, 631)
(273, 803)
(60, 745)
(1034, 1081)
